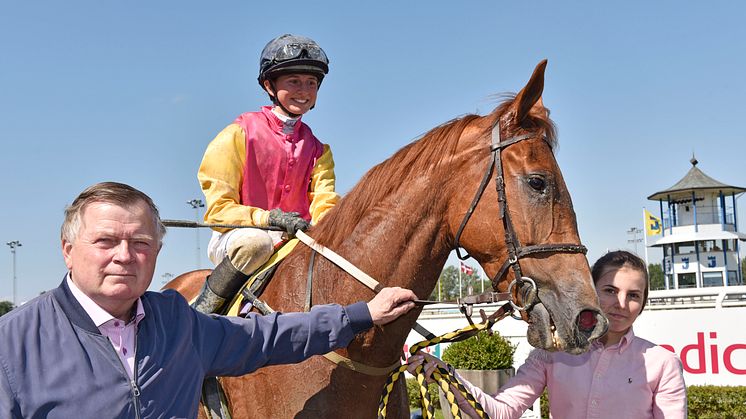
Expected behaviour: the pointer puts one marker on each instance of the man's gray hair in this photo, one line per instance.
(109, 192)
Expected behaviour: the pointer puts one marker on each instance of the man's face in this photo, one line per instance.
(113, 257)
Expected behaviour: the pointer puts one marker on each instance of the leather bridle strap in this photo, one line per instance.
(494, 166)
(512, 244)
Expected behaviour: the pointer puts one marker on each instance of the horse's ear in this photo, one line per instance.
(530, 95)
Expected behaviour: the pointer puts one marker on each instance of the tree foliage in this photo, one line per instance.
(657, 280)
(415, 399)
(449, 284)
(5, 307)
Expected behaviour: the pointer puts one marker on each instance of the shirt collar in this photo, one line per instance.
(280, 123)
(626, 340)
(94, 311)
(284, 118)
(621, 346)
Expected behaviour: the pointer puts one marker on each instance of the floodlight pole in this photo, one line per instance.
(13, 245)
(634, 231)
(197, 204)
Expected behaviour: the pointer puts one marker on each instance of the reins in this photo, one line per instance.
(444, 377)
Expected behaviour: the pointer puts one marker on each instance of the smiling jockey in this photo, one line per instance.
(266, 169)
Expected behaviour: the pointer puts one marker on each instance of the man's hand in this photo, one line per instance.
(389, 304)
(290, 221)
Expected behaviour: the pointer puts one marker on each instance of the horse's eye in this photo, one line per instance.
(537, 183)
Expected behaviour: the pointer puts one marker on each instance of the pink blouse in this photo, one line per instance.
(633, 379)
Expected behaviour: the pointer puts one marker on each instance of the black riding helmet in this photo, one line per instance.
(291, 54)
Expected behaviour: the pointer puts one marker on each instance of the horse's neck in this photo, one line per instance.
(401, 243)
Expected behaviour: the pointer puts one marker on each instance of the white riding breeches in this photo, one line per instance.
(247, 248)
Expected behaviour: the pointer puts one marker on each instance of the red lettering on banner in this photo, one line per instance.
(727, 358)
(699, 349)
(714, 354)
(669, 347)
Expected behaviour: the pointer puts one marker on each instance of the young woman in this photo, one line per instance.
(266, 169)
(622, 376)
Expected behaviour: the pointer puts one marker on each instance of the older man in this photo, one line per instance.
(100, 346)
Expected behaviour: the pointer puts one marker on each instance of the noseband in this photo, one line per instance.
(513, 245)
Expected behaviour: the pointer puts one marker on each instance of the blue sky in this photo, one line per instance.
(134, 91)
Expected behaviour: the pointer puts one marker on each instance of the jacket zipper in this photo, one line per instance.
(133, 382)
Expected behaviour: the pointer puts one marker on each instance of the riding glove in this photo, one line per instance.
(290, 221)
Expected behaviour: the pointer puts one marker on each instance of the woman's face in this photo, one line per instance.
(296, 92)
(620, 293)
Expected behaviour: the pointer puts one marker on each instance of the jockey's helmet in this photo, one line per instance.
(292, 54)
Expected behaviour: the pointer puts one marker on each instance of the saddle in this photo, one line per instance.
(257, 282)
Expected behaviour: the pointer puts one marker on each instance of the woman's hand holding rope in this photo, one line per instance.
(429, 369)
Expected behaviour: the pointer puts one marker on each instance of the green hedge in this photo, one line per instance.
(721, 402)
(704, 402)
(484, 351)
(413, 392)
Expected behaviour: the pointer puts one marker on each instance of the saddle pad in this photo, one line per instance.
(277, 256)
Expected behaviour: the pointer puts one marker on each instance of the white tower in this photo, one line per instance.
(700, 239)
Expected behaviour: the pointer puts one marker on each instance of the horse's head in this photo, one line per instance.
(523, 225)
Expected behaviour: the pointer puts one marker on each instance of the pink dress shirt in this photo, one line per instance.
(120, 334)
(633, 379)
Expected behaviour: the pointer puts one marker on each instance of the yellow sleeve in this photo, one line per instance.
(220, 176)
(321, 190)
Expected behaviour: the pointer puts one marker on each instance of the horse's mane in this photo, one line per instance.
(413, 160)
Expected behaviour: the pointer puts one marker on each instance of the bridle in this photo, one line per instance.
(514, 249)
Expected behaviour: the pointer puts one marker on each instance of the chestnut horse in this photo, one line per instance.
(399, 225)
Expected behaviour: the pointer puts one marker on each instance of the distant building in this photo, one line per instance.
(700, 237)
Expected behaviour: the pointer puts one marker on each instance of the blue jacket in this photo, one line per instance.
(54, 362)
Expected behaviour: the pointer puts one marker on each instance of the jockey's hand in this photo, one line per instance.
(290, 221)
(430, 363)
(390, 303)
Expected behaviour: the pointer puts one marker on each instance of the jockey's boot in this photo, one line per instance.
(221, 285)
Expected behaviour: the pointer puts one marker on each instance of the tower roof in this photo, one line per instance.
(695, 179)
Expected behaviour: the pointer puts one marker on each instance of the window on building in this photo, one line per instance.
(688, 280)
(708, 246)
(684, 248)
(712, 279)
(733, 278)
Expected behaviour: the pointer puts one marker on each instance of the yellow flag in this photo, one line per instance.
(653, 224)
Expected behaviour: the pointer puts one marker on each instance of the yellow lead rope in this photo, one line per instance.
(444, 377)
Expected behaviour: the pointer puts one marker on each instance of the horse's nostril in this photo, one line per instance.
(587, 321)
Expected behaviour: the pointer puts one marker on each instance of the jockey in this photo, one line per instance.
(266, 169)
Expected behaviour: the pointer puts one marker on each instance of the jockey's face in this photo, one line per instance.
(296, 92)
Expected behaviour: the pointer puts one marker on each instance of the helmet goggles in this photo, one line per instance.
(300, 50)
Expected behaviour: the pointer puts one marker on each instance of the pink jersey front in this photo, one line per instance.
(278, 166)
